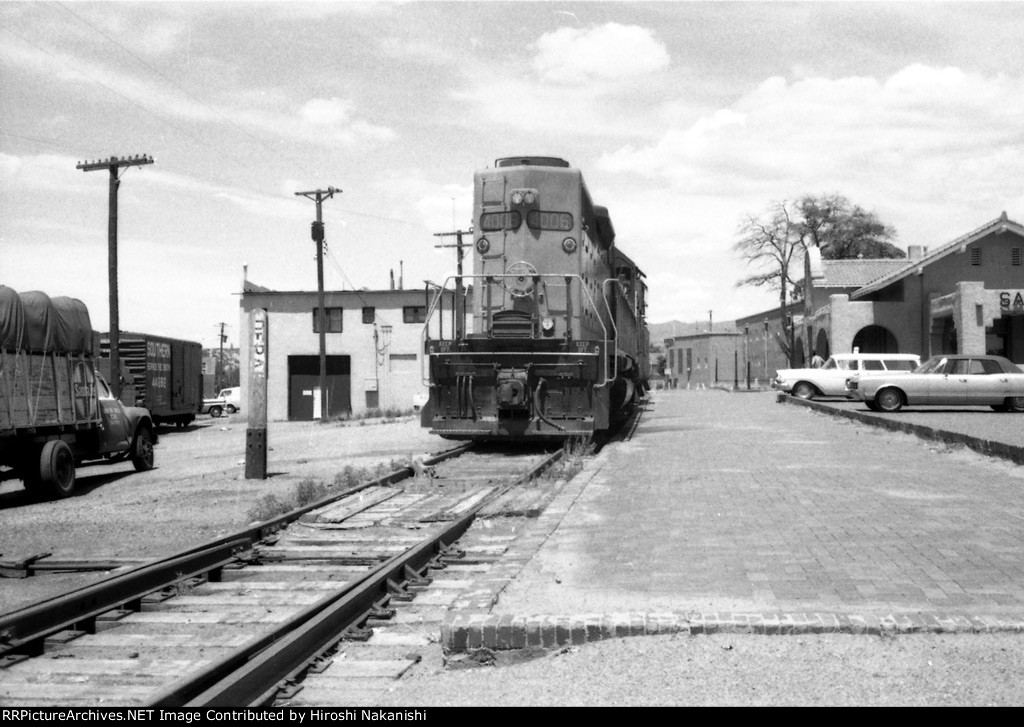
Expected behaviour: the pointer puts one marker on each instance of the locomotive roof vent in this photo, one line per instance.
(530, 162)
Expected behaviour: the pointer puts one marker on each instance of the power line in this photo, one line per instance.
(137, 105)
(155, 70)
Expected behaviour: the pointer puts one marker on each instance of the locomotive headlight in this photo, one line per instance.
(569, 245)
(529, 198)
(483, 245)
(547, 326)
(517, 198)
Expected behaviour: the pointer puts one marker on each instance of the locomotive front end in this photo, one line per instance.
(539, 361)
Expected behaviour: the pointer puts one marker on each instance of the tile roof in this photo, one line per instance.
(999, 224)
(859, 272)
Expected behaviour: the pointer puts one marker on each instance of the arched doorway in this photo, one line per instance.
(875, 339)
(821, 346)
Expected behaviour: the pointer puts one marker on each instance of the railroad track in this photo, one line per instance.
(326, 605)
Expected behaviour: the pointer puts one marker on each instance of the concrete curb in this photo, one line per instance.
(495, 632)
(988, 447)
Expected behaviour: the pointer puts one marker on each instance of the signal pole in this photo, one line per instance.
(113, 164)
(460, 314)
(318, 196)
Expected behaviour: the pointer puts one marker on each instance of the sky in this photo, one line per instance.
(683, 117)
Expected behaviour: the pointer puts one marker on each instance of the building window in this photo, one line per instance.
(333, 316)
(369, 313)
(975, 256)
(414, 314)
(1015, 256)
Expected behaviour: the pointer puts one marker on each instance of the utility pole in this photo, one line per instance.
(318, 196)
(219, 373)
(460, 313)
(113, 164)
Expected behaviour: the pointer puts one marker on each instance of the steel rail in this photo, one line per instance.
(24, 630)
(252, 675)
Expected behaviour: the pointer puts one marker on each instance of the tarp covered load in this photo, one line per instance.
(36, 323)
(12, 320)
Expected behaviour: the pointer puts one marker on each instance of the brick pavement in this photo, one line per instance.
(732, 511)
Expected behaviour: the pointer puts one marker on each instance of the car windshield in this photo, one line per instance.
(931, 366)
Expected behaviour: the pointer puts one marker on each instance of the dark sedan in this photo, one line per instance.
(946, 380)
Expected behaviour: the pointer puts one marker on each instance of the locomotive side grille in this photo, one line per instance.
(512, 324)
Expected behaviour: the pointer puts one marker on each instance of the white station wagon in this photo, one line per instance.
(830, 378)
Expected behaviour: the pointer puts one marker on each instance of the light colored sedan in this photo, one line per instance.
(946, 380)
(830, 378)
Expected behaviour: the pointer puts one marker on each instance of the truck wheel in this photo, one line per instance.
(231, 409)
(142, 450)
(57, 468)
(215, 411)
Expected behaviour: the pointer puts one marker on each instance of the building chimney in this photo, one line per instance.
(401, 267)
(392, 278)
(915, 252)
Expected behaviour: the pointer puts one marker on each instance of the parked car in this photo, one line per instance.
(214, 407)
(232, 399)
(952, 380)
(830, 378)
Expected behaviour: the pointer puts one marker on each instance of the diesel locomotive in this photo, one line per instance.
(557, 346)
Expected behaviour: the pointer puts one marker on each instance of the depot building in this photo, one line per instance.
(963, 296)
(373, 344)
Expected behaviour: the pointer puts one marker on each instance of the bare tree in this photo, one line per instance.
(770, 242)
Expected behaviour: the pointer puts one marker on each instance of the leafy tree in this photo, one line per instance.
(843, 230)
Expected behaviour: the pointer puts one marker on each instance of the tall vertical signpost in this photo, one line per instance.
(114, 164)
(318, 196)
(256, 431)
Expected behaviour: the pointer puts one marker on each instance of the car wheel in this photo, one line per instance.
(231, 409)
(1015, 404)
(142, 450)
(57, 468)
(215, 411)
(889, 400)
(803, 390)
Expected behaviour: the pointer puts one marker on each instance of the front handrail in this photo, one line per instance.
(424, 337)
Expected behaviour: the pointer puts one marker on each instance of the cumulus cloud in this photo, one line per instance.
(934, 151)
(783, 136)
(611, 51)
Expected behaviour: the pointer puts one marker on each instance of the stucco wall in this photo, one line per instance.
(383, 365)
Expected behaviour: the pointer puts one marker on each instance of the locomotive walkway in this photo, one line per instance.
(732, 512)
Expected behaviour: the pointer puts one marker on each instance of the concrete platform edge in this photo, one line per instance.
(464, 633)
